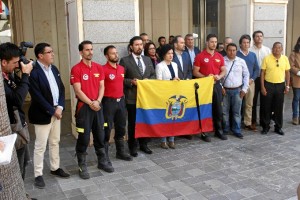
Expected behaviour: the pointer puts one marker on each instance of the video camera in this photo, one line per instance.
(22, 49)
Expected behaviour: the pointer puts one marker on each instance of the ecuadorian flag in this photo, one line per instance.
(168, 108)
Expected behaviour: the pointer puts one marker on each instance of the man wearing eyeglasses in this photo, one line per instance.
(47, 103)
(275, 80)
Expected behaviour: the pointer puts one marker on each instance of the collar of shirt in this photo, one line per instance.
(244, 53)
(178, 53)
(44, 67)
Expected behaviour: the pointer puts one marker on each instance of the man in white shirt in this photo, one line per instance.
(260, 51)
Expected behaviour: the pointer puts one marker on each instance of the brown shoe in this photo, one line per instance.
(172, 145)
(251, 127)
(295, 121)
(164, 145)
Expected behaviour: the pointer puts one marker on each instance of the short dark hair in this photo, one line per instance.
(143, 34)
(106, 49)
(40, 48)
(164, 50)
(245, 36)
(8, 51)
(211, 35)
(275, 43)
(134, 39)
(231, 45)
(255, 32)
(81, 45)
(175, 40)
(161, 37)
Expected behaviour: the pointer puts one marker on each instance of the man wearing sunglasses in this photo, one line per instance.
(275, 80)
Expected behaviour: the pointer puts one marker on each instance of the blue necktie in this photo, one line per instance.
(140, 65)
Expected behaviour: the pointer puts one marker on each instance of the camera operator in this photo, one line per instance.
(16, 89)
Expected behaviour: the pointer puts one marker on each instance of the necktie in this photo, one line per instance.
(140, 65)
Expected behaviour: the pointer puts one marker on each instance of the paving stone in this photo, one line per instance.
(234, 196)
(172, 194)
(73, 193)
(247, 192)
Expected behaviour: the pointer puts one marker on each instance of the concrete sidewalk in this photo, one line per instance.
(257, 167)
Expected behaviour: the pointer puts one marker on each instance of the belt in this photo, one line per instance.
(113, 99)
(232, 88)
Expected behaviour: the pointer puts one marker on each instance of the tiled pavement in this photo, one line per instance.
(257, 167)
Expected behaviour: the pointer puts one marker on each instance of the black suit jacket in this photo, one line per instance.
(131, 72)
(42, 109)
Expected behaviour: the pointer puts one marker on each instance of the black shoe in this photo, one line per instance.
(145, 149)
(39, 182)
(60, 173)
(133, 152)
(264, 131)
(123, 156)
(238, 135)
(221, 136)
(279, 131)
(205, 138)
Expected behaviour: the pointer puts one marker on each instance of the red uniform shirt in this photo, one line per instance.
(114, 81)
(89, 77)
(209, 64)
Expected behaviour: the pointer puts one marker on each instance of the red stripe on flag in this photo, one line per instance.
(174, 129)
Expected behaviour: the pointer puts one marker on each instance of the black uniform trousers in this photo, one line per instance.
(217, 109)
(114, 111)
(272, 102)
(88, 120)
(131, 109)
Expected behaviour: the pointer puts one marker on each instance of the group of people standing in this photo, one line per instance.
(106, 95)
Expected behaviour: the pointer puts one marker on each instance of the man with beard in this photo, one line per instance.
(137, 67)
(87, 78)
(114, 108)
(210, 63)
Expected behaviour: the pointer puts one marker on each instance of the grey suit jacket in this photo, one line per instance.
(131, 72)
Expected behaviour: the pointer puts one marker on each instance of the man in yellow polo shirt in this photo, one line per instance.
(275, 80)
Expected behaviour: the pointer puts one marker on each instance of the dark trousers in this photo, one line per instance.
(273, 101)
(131, 109)
(217, 109)
(255, 98)
(114, 111)
(87, 120)
(23, 158)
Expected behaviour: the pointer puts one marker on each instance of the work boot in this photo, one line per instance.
(106, 145)
(120, 154)
(102, 161)
(83, 172)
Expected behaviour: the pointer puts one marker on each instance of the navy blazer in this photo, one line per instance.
(41, 108)
(186, 73)
(196, 50)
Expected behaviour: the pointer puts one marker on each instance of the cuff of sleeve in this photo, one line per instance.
(62, 108)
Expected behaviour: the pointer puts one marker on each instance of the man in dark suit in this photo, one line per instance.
(181, 58)
(137, 67)
(47, 103)
(190, 48)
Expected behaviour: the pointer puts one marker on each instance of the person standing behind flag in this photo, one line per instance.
(211, 63)
(137, 67)
(167, 70)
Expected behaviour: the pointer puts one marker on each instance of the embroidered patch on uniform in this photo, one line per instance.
(217, 60)
(206, 60)
(97, 75)
(122, 75)
(112, 76)
(85, 77)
